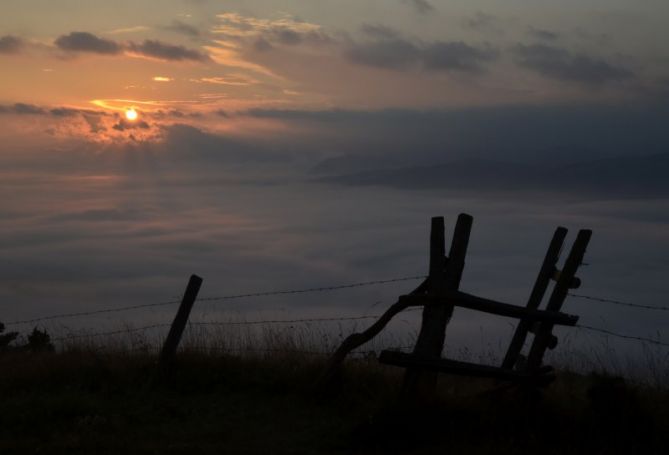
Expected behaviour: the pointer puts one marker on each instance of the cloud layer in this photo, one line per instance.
(76, 42)
(557, 63)
(10, 44)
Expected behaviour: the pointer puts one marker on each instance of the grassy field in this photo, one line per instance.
(80, 401)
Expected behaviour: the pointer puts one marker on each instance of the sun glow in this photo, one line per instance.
(131, 114)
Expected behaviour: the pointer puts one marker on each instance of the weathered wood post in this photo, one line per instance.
(169, 351)
(544, 338)
(546, 272)
(445, 275)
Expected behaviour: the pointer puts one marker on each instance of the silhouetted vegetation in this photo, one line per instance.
(6, 338)
(37, 341)
(91, 401)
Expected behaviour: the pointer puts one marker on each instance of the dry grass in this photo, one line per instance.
(249, 389)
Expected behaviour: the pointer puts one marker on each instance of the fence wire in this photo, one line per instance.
(218, 298)
(309, 320)
(619, 302)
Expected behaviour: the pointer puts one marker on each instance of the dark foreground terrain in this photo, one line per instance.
(83, 402)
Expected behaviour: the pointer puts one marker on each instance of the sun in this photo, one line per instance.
(131, 114)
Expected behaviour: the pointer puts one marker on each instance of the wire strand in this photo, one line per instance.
(90, 313)
(306, 290)
(113, 332)
(209, 299)
(620, 335)
(619, 302)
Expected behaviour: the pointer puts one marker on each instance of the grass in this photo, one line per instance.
(85, 399)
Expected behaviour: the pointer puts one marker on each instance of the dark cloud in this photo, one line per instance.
(199, 147)
(64, 112)
(22, 109)
(541, 34)
(420, 6)
(480, 21)
(292, 37)
(558, 63)
(400, 54)
(183, 28)
(10, 44)
(31, 109)
(456, 56)
(544, 135)
(388, 53)
(262, 45)
(124, 125)
(613, 178)
(87, 42)
(164, 51)
(379, 31)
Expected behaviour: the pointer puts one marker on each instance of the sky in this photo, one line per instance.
(292, 144)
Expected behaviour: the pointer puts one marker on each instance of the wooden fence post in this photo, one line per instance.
(536, 296)
(543, 338)
(445, 275)
(171, 344)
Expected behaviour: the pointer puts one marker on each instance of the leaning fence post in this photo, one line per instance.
(540, 285)
(171, 344)
(543, 338)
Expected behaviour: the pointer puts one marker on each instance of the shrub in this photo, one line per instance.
(6, 338)
(39, 341)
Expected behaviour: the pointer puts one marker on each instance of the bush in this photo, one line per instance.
(6, 338)
(39, 341)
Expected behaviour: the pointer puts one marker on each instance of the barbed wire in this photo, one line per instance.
(283, 321)
(207, 323)
(210, 299)
(113, 332)
(306, 290)
(619, 302)
(620, 335)
(90, 313)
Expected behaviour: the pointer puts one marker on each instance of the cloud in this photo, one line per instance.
(558, 63)
(420, 6)
(379, 31)
(230, 79)
(10, 44)
(164, 51)
(124, 125)
(456, 55)
(285, 30)
(536, 135)
(162, 79)
(22, 109)
(613, 178)
(541, 34)
(480, 21)
(87, 42)
(387, 53)
(402, 54)
(183, 29)
(31, 109)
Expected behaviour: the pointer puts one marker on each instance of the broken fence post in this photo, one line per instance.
(445, 275)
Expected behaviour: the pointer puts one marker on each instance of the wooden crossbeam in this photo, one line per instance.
(472, 302)
(406, 360)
